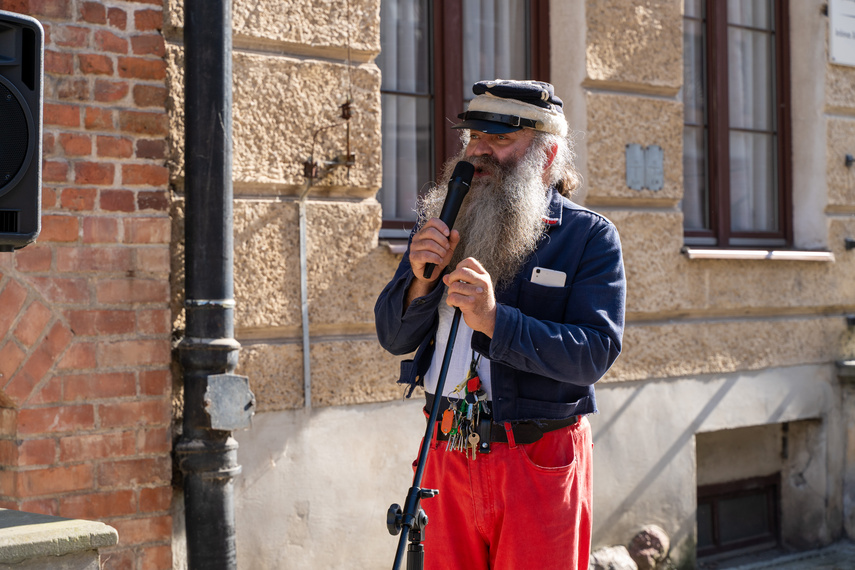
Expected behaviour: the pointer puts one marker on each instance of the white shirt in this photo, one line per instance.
(461, 357)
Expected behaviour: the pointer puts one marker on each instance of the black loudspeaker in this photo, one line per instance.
(21, 77)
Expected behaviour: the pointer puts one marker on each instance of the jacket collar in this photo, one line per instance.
(556, 209)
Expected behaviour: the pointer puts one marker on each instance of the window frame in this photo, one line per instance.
(720, 235)
(714, 494)
(446, 76)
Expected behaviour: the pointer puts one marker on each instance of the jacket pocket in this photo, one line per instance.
(542, 302)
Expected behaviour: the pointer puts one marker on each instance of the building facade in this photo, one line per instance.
(715, 140)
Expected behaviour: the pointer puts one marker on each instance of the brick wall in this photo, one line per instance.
(85, 386)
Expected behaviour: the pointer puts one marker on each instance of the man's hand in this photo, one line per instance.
(470, 288)
(433, 243)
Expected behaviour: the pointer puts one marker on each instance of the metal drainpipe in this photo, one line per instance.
(206, 451)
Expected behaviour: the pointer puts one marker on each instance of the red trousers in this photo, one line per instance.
(519, 507)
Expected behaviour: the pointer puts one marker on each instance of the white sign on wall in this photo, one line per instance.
(841, 32)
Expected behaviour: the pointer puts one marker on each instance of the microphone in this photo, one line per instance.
(458, 186)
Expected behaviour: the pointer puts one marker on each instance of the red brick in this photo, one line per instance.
(56, 419)
(52, 9)
(155, 382)
(147, 20)
(93, 259)
(144, 175)
(86, 387)
(155, 499)
(61, 114)
(150, 96)
(109, 42)
(156, 557)
(93, 12)
(94, 173)
(12, 298)
(142, 123)
(70, 36)
(133, 472)
(155, 321)
(55, 480)
(118, 200)
(158, 440)
(115, 147)
(48, 392)
(97, 446)
(62, 289)
(119, 559)
(124, 291)
(128, 414)
(57, 338)
(148, 44)
(157, 200)
(40, 506)
(79, 199)
(98, 119)
(32, 323)
(110, 91)
(20, 387)
(53, 171)
(59, 228)
(37, 452)
(151, 148)
(135, 352)
(75, 144)
(94, 506)
(71, 89)
(11, 357)
(101, 230)
(49, 195)
(8, 423)
(59, 63)
(141, 68)
(8, 453)
(91, 322)
(148, 230)
(80, 356)
(48, 143)
(118, 18)
(33, 258)
(95, 64)
(136, 531)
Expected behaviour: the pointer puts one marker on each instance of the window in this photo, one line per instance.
(739, 515)
(736, 142)
(431, 54)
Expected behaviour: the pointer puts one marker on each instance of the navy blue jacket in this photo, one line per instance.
(550, 344)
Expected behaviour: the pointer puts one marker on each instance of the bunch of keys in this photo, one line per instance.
(460, 421)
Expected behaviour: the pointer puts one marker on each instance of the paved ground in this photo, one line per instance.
(839, 556)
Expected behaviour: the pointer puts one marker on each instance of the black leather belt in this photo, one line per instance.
(525, 431)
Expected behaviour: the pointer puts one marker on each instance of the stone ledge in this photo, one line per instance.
(25, 536)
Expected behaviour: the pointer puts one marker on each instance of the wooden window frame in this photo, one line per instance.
(713, 494)
(718, 133)
(446, 21)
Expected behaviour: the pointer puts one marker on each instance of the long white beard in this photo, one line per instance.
(501, 220)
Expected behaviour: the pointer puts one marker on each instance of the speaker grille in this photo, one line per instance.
(15, 140)
(8, 221)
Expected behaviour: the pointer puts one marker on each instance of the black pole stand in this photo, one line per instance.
(413, 518)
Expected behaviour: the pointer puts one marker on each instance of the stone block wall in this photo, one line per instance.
(295, 64)
(85, 349)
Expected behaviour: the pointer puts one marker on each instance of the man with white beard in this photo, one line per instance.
(540, 285)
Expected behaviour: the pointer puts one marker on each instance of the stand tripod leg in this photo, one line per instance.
(412, 515)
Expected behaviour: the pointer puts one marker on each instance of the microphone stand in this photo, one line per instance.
(413, 517)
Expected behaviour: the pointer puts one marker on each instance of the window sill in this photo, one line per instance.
(758, 254)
